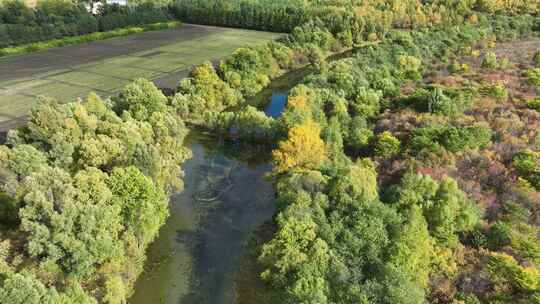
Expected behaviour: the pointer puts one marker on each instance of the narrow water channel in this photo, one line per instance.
(195, 257)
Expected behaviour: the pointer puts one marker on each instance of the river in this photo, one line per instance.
(198, 250)
(226, 197)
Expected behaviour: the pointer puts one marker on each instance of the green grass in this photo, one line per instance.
(125, 72)
(50, 73)
(23, 86)
(95, 81)
(219, 43)
(62, 92)
(14, 83)
(162, 62)
(198, 57)
(13, 106)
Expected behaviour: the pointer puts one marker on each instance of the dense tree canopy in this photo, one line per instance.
(303, 149)
(86, 186)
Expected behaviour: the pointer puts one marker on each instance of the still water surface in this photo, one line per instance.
(195, 257)
(277, 104)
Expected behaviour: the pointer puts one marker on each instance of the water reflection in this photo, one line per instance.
(277, 104)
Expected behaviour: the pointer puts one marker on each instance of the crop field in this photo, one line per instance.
(106, 66)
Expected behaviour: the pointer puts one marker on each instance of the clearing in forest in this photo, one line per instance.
(106, 66)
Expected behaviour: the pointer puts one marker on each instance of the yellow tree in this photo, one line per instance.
(303, 149)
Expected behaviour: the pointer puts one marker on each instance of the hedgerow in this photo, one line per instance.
(57, 19)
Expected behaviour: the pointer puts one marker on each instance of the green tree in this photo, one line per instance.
(204, 91)
(303, 149)
(413, 249)
(387, 145)
(144, 207)
(248, 69)
(356, 184)
(293, 243)
(70, 222)
(490, 61)
(504, 269)
(23, 288)
(334, 141)
(18, 163)
(445, 207)
(141, 99)
(527, 165)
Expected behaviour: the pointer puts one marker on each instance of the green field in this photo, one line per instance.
(108, 76)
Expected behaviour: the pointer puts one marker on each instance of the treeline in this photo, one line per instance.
(284, 16)
(84, 191)
(54, 19)
(256, 15)
(280, 16)
(124, 31)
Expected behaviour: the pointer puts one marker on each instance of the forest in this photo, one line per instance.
(406, 163)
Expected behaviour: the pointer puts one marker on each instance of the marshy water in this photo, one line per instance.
(198, 250)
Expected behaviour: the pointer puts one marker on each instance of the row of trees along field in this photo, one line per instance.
(284, 15)
(54, 19)
(76, 221)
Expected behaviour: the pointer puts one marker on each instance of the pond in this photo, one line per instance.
(198, 250)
